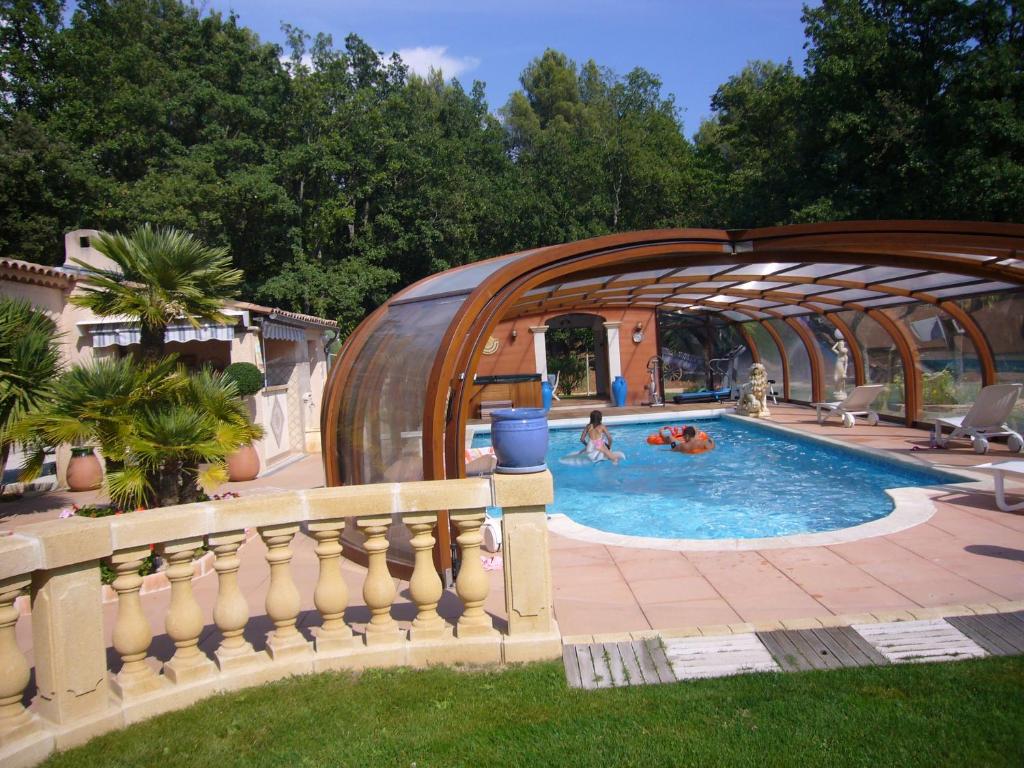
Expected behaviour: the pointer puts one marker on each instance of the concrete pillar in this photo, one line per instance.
(614, 356)
(540, 349)
(529, 598)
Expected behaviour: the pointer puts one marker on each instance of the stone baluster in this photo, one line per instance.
(184, 621)
(331, 594)
(379, 588)
(132, 633)
(472, 584)
(15, 721)
(283, 601)
(425, 585)
(231, 611)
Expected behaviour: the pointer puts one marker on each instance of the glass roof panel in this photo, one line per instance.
(463, 279)
(854, 294)
(714, 285)
(760, 285)
(651, 274)
(887, 301)
(706, 269)
(770, 268)
(923, 282)
(815, 270)
(969, 290)
(791, 309)
(879, 274)
(737, 316)
(808, 289)
(760, 303)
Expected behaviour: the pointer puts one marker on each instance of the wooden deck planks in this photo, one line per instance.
(1000, 635)
(657, 660)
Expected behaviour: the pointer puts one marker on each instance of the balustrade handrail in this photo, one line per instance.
(58, 563)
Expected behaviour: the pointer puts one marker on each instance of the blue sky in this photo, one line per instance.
(694, 46)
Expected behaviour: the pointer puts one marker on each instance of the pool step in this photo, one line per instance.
(662, 660)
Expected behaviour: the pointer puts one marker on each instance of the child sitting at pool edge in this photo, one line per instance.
(598, 440)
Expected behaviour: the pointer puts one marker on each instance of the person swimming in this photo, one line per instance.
(598, 440)
(691, 442)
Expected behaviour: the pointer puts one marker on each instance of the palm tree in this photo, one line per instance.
(29, 363)
(165, 275)
(155, 423)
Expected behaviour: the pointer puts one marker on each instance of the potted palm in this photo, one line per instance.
(244, 463)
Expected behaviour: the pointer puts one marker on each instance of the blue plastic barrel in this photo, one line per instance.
(619, 388)
(520, 440)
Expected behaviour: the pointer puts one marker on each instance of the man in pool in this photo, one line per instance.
(692, 441)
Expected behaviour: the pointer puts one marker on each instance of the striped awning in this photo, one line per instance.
(123, 334)
(280, 332)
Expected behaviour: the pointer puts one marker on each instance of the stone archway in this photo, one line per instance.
(595, 323)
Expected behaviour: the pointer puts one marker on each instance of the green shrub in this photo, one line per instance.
(572, 372)
(247, 378)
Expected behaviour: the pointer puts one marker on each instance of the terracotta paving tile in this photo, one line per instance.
(688, 613)
(671, 566)
(862, 599)
(575, 617)
(773, 607)
(672, 590)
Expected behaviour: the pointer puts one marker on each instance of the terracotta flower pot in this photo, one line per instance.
(85, 472)
(243, 464)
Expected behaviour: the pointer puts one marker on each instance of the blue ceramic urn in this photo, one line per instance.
(546, 393)
(619, 388)
(520, 440)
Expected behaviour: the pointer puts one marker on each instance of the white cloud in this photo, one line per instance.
(422, 59)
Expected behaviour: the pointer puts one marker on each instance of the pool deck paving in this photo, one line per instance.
(967, 559)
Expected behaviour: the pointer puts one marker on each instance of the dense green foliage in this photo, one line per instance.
(248, 379)
(29, 364)
(959, 713)
(334, 177)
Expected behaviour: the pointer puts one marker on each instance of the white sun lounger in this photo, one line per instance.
(999, 470)
(986, 419)
(857, 403)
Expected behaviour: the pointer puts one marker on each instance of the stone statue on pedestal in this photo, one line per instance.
(842, 359)
(754, 394)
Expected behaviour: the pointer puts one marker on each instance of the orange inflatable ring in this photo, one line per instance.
(657, 439)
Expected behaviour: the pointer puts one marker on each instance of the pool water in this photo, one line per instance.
(759, 482)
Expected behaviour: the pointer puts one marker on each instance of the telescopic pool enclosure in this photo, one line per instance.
(933, 307)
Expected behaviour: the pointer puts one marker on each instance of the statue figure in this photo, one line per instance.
(839, 374)
(754, 394)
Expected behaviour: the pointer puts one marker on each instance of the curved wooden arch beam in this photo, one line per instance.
(982, 346)
(813, 356)
(859, 373)
(913, 386)
(782, 356)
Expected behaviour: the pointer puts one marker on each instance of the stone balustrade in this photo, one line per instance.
(57, 563)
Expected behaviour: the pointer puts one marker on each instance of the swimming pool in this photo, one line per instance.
(760, 482)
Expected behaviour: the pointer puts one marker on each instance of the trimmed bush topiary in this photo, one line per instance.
(247, 378)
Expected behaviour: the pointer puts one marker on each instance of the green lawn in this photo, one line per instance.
(968, 713)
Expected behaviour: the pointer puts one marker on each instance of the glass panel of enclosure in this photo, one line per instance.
(380, 426)
(799, 364)
(882, 361)
(950, 370)
(1001, 318)
(700, 352)
(840, 375)
(769, 353)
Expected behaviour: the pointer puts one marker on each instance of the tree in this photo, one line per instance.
(163, 275)
(29, 364)
(155, 423)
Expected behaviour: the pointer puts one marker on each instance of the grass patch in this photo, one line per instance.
(962, 713)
